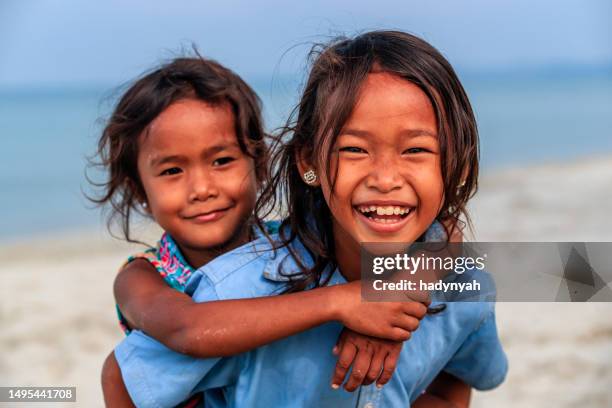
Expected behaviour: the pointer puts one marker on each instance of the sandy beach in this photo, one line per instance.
(58, 319)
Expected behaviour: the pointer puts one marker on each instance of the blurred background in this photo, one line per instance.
(539, 75)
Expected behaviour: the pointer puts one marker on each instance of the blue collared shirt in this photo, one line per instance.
(296, 371)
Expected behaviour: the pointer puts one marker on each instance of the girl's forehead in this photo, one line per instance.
(190, 125)
(391, 89)
(191, 110)
(384, 98)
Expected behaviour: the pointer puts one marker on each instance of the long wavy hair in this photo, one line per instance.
(331, 91)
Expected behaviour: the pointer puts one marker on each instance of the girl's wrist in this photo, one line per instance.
(338, 301)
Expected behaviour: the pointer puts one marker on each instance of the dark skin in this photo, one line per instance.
(445, 391)
(385, 184)
(115, 393)
(373, 359)
(172, 317)
(201, 190)
(150, 305)
(369, 355)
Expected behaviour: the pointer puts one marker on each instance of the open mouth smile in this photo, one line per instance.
(384, 218)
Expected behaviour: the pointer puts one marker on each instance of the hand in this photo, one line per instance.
(386, 320)
(372, 360)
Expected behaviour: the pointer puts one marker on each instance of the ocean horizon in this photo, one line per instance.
(49, 132)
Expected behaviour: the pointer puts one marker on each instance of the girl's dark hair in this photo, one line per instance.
(147, 97)
(337, 73)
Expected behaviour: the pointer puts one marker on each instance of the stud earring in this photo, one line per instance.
(310, 177)
(145, 205)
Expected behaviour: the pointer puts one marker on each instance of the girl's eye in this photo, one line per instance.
(223, 160)
(414, 150)
(171, 171)
(352, 149)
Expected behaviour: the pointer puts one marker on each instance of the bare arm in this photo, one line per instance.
(115, 393)
(228, 327)
(445, 391)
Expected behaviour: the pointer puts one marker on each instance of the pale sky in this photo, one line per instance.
(71, 42)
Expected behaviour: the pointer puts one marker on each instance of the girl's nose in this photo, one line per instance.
(385, 177)
(202, 187)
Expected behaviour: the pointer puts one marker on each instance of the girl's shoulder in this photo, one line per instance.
(251, 256)
(168, 261)
(259, 268)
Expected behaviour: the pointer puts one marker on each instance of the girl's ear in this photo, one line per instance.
(145, 207)
(307, 170)
(140, 197)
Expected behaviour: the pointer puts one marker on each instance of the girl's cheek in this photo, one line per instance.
(248, 175)
(441, 202)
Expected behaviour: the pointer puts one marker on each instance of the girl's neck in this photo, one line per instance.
(348, 254)
(198, 257)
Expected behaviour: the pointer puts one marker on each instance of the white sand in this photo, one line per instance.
(58, 321)
(560, 354)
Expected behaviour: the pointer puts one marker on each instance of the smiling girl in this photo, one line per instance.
(384, 148)
(185, 146)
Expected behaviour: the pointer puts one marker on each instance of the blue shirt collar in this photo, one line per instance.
(281, 259)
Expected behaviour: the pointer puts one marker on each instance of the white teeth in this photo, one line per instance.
(386, 210)
(384, 220)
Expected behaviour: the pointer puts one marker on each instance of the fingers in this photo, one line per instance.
(407, 322)
(367, 358)
(361, 366)
(415, 309)
(346, 355)
(375, 367)
(388, 369)
(420, 297)
(399, 334)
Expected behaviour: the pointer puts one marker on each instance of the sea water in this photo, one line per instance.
(46, 135)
